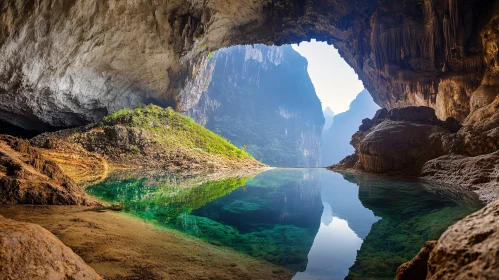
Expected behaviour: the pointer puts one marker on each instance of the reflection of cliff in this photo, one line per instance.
(410, 214)
(261, 97)
(342, 196)
(344, 223)
(336, 139)
(274, 217)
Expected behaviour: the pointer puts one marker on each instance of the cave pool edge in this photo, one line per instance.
(317, 223)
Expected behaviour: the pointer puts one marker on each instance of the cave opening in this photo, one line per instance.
(279, 102)
(17, 131)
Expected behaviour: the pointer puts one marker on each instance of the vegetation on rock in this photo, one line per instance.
(261, 98)
(151, 137)
(173, 129)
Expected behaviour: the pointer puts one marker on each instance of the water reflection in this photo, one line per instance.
(321, 224)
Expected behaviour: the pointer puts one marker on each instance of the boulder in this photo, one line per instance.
(416, 268)
(28, 251)
(467, 250)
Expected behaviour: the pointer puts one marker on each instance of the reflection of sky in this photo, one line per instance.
(334, 249)
(345, 222)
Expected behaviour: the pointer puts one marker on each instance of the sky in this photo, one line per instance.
(335, 82)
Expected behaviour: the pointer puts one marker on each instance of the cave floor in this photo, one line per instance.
(120, 247)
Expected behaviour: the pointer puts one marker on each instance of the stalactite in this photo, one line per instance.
(376, 43)
(448, 38)
(454, 17)
(431, 29)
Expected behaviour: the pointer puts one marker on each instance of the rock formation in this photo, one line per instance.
(28, 177)
(336, 139)
(68, 63)
(412, 141)
(28, 251)
(262, 97)
(467, 250)
(417, 268)
(147, 137)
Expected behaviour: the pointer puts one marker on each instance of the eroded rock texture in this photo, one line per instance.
(28, 251)
(27, 177)
(412, 141)
(65, 63)
(467, 250)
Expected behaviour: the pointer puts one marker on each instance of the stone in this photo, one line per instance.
(400, 140)
(417, 268)
(467, 250)
(28, 251)
(27, 177)
(478, 172)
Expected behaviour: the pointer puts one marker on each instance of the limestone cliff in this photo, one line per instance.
(262, 98)
(336, 140)
(66, 63)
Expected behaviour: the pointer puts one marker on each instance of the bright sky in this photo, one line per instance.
(335, 82)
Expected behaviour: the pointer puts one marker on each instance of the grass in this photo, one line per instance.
(175, 130)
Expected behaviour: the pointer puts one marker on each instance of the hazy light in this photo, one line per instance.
(335, 82)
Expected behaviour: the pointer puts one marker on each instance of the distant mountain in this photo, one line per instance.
(336, 139)
(261, 98)
(328, 116)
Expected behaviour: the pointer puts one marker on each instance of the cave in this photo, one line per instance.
(407, 53)
(8, 128)
(90, 65)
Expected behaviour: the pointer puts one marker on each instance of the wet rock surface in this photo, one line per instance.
(417, 268)
(412, 141)
(28, 251)
(467, 250)
(27, 177)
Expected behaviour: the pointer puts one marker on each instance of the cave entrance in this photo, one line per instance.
(277, 102)
(17, 131)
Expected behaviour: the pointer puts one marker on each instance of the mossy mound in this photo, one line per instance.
(151, 137)
(174, 129)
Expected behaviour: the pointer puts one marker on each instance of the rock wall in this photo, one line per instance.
(279, 123)
(65, 63)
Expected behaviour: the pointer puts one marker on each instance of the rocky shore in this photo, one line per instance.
(413, 142)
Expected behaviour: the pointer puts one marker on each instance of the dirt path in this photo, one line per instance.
(120, 247)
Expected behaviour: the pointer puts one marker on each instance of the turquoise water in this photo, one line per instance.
(320, 224)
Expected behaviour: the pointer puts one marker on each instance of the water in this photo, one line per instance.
(320, 224)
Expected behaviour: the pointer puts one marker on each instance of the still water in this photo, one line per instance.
(318, 223)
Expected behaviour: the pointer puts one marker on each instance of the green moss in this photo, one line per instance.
(174, 130)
